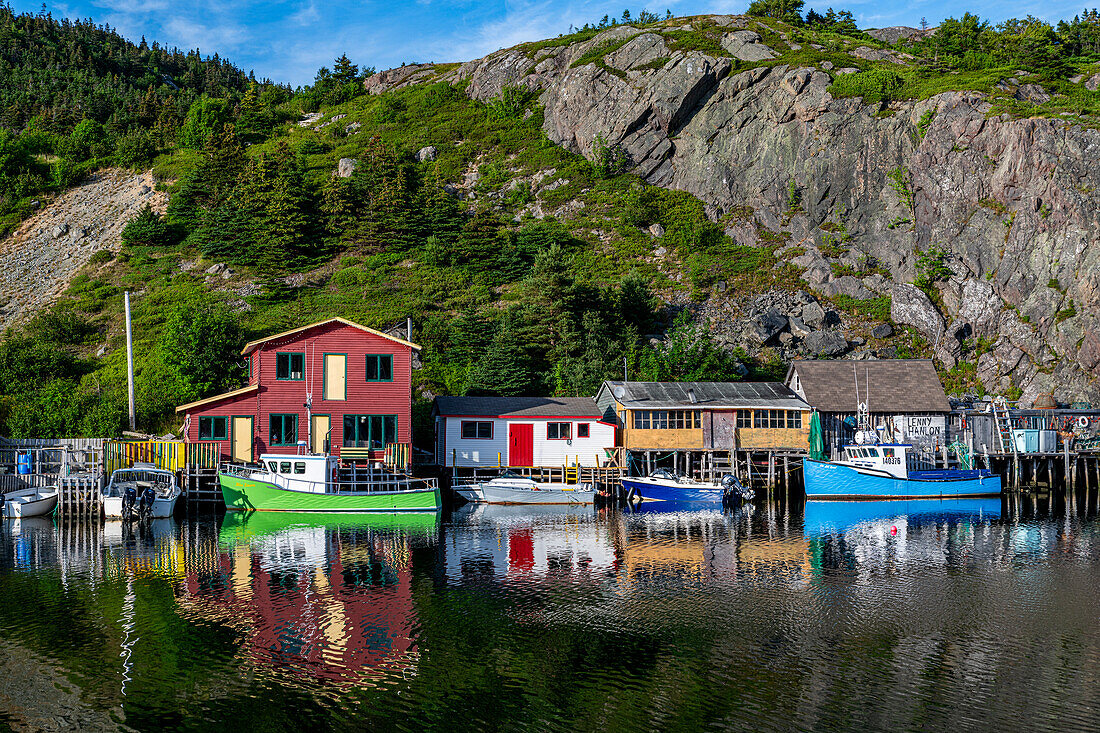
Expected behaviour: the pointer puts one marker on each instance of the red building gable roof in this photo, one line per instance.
(251, 345)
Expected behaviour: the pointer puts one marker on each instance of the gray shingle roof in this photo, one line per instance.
(517, 407)
(886, 385)
(712, 395)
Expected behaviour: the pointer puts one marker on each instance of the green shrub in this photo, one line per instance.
(147, 229)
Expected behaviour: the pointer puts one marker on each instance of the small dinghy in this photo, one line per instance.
(36, 502)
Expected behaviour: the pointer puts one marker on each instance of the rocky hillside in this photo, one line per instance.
(986, 193)
(42, 256)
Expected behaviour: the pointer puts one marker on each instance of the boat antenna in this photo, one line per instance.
(855, 376)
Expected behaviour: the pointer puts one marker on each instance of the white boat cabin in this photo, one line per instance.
(314, 474)
(895, 459)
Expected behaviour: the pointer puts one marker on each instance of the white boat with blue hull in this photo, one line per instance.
(892, 471)
(664, 485)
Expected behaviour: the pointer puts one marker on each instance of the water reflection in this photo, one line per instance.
(831, 616)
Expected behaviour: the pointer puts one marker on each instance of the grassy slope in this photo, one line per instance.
(381, 288)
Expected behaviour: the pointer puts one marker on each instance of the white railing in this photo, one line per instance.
(373, 481)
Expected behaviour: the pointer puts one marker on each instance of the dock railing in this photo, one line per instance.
(170, 455)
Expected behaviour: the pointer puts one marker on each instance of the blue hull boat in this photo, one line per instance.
(824, 479)
(651, 489)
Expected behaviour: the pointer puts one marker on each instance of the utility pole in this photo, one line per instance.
(130, 362)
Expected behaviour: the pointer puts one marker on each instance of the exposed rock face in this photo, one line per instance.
(1013, 200)
(45, 252)
(345, 167)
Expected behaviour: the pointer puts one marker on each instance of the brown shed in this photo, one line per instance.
(904, 396)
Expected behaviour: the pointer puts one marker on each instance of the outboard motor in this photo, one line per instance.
(734, 494)
(145, 508)
(129, 500)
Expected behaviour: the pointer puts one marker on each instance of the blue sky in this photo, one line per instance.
(288, 40)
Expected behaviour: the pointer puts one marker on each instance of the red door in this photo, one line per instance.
(521, 444)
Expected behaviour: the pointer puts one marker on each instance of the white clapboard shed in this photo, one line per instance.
(484, 432)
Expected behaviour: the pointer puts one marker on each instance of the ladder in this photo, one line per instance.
(1004, 424)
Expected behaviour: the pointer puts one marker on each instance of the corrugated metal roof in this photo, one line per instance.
(712, 395)
(886, 385)
(517, 407)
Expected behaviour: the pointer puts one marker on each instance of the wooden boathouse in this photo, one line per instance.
(757, 430)
(904, 396)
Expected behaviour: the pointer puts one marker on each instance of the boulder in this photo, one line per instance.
(846, 285)
(657, 230)
(746, 46)
(799, 327)
(910, 306)
(60, 231)
(763, 326)
(813, 315)
(825, 343)
(426, 154)
(345, 167)
(882, 331)
(1032, 93)
(1093, 83)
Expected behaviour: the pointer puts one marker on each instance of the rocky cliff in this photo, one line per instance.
(858, 190)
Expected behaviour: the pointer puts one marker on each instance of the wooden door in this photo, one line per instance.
(521, 444)
(318, 432)
(242, 439)
(336, 376)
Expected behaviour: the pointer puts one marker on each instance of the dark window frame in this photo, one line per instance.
(378, 359)
(476, 430)
(212, 435)
(282, 416)
(568, 430)
(290, 366)
(384, 423)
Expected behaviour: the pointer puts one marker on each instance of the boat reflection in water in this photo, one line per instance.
(316, 596)
(833, 517)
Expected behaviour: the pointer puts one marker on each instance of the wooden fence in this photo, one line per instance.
(170, 455)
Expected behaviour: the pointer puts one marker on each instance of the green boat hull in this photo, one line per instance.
(245, 494)
(245, 527)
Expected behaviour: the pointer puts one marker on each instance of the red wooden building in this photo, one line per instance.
(333, 386)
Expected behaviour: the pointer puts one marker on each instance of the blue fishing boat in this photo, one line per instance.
(892, 471)
(662, 485)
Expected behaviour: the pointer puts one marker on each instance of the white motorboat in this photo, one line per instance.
(34, 502)
(139, 477)
(513, 489)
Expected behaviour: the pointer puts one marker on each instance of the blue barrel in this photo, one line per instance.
(23, 464)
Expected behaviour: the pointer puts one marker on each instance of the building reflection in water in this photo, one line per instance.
(327, 598)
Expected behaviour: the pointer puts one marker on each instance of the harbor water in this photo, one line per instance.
(954, 615)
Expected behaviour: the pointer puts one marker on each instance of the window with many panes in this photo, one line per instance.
(477, 429)
(559, 431)
(290, 367)
(771, 419)
(213, 428)
(744, 418)
(284, 429)
(379, 368)
(369, 431)
(667, 420)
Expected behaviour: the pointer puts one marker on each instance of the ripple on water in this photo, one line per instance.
(565, 619)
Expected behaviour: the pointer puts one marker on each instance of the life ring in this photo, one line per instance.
(1082, 422)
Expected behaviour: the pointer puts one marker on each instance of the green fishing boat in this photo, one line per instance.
(313, 483)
